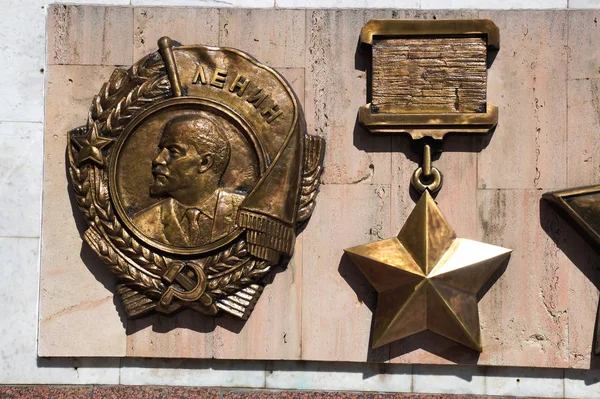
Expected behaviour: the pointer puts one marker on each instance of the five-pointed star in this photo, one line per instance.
(427, 278)
(90, 146)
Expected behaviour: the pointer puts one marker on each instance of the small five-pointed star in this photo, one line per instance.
(427, 278)
(90, 146)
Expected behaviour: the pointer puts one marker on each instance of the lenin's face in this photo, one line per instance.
(178, 163)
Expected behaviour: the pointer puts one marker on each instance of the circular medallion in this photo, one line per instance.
(154, 174)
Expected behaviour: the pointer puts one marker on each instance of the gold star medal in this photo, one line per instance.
(428, 79)
(427, 278)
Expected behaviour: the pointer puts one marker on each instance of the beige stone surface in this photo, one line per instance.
(457, 197)
(78, 314)
(538, 311)
(274, 37)
(184, 335)
(584, 54)
(295, 78)
(337, 301)
(85, 35)
(335, 88)
(273, 331)
(402, 196)
(524, 315)
(187, 26)
(528, 82)
(583, 144)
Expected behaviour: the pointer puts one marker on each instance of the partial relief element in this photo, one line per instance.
(581, 209)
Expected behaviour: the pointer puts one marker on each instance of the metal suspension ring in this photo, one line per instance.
(427, 177)
(433, 184)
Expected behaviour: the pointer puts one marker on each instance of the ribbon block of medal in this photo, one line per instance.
(428, 79)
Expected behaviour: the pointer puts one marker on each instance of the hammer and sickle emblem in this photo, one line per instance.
(193, 281)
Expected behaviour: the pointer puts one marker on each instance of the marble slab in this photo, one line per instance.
(339, 376)
(22, 78)
(21, 160)
(320, 307)
(584, 4)
(464, 379)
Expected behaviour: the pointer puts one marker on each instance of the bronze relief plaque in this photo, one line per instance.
(429, 78)
(194, 171)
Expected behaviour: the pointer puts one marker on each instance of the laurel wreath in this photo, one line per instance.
(228, 270)
(137, 266)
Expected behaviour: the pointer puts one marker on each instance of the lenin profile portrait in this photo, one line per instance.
(193, 209)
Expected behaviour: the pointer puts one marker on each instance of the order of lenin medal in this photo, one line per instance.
(193, 172)
(428, 79)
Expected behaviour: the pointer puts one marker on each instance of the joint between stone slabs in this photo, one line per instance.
(163, 392)
(27, 237)
(9, 121)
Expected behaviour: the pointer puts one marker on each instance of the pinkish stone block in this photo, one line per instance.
(523, 316)
(583, 144)
(78, 315)
(274, 37)
(295, 78)
(185, 335)
(335, 88)
(273, 331)
(187, 26)
(527, 81)
(85, 35)
(337, 301)
(584, 35)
